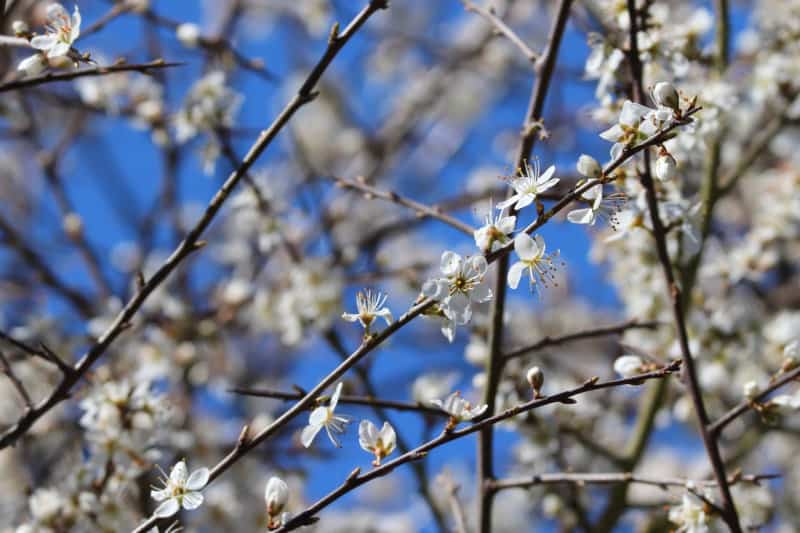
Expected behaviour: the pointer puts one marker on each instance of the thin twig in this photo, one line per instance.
(547, 341)
(422, 210)
(614, 478)
(490, 15)
(53, 77)
(744, 406)
(191, 242)
(344, 399)
(356, 479)
(729, 510)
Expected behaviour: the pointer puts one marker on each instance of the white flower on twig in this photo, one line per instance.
(528, 185)
(533, 258)
(370, 305)
(378, 443)
(459, 409)
(180, 490)
(324, 417)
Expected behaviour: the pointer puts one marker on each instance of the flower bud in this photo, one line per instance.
(589, 167)
(20, 27)
(188, 34)
(73, 225)
(276, 495)
(666, 167)
(665, 95)
(628, 366)
(750, 390)
(535, 377)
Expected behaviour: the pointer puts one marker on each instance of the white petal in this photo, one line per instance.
(58, 50)
(581, 216)
(450, 263)
(168, 508)
(449, 330)
(160, 495)
(612, 134)
(479, 264)
(524, 201)
(525, 247)
(318, 416)
(507, 224)
(547, 174)
(198, 479)
(308, 434)
(632, 113)
(350, 317)
(192, 500)
(385, 314)
(335, 398)
(458, 308)
(508, 202)
(481, 293)
(388, 436)
(76, 24)
(367, 435)
(179, 473)
(515, 273)
(43, 42)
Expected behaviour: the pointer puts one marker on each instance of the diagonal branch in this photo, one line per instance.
(52, 77)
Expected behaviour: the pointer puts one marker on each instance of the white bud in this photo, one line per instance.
(628, 366)
(276, 495)
(188, 34)
(665, 95)
(750, 390)
(73, 225)
(535, 377)
(589, 167)
(666, 167)
(19, 27)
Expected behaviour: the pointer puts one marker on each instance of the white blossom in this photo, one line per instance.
(690, 515)
(188, 34)
(636, 123)
(62, 31)
(494, 233)
(180, 490)
(462, 285)
(665, 95)
(379, 443)
(528, 185)
(533, 258)
(370, 305)
(325, 417)
(588, 167)
(459, 409)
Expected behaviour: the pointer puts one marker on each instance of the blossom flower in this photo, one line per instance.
(180, 490)
(532, 255)
(188, 34)
(634, 124)
(324, 417)
(379, 443)
(628, 366)
(528, 185)
(370, 306)
(588, 215)
(55, 45)
(462, 285)
(210, 105)
(459, 409)
(276, 496)
(690, 515)
(62, 31)
(495, 231)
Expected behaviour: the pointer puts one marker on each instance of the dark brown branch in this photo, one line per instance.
(53, 77)
(356, 479)
(420, 209)
(581, 335)
(344, 399)
(614, 478)
(717, 427)
(729, 514)
(490, 15)
(191, 242)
